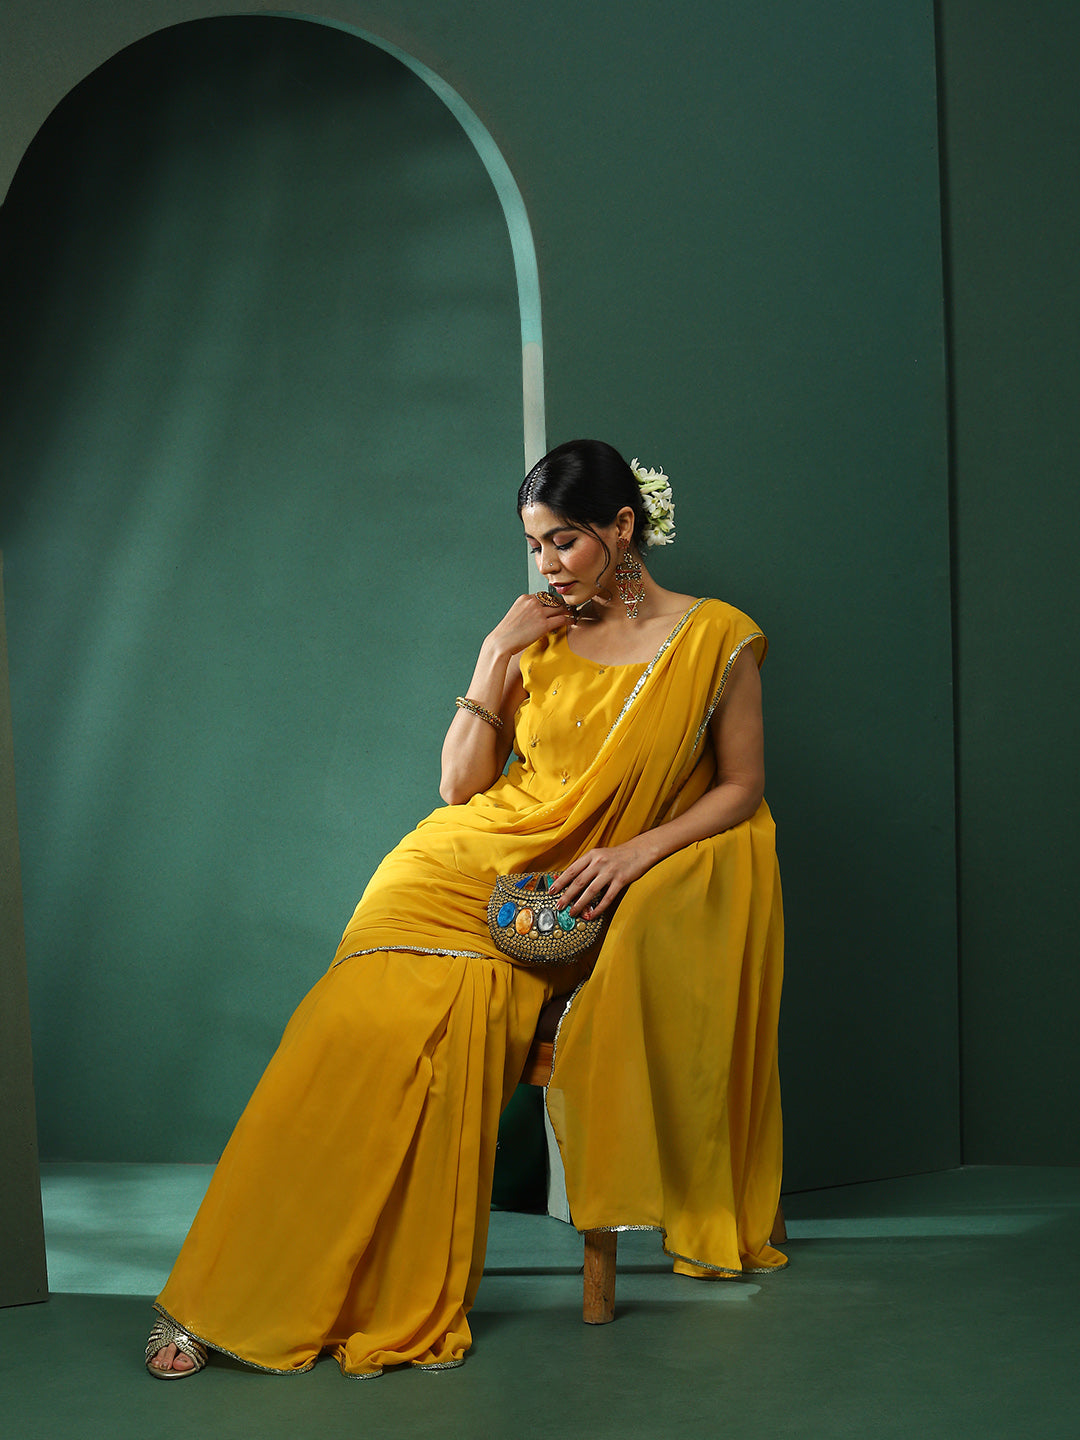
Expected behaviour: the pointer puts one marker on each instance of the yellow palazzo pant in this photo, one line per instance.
(349, 1211)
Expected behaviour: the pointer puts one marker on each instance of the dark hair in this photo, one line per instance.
(587, 483)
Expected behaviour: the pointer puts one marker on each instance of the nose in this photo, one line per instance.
(548, 563)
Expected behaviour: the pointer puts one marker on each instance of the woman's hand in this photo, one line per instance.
(595, 880)
(527, 619)
(474, 752)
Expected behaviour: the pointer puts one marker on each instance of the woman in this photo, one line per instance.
(349, 1211)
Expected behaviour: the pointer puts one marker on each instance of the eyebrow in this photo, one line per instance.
(555, 530)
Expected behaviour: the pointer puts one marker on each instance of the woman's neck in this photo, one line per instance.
(605, 634)
(655, 603)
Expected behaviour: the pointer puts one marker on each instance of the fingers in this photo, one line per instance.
(592, 908)
(586, 891)
(557, 620)
(593, 883)
(554, 609)
(592, 902)
(528, 619)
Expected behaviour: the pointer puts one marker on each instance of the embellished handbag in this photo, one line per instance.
(528, 924)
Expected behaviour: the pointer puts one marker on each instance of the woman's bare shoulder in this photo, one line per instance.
(670, 602)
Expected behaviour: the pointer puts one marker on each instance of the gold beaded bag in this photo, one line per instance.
(527, 924)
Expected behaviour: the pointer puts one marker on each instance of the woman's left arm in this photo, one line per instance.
(596, 879)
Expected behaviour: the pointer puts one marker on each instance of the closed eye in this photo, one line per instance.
(565, 545)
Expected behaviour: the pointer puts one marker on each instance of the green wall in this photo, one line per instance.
(736, 213)
(1012, 130)
(23, 1277)
(261, 412)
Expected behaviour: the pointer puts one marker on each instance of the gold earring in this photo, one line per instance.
(628, 579)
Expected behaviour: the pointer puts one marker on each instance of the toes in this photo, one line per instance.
(171, 1359)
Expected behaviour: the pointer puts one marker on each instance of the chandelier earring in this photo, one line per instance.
(628, 573)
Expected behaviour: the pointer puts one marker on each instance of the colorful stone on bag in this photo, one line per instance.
(528, 930)
(523, 921)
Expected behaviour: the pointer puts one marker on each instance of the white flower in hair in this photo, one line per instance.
(659, 505)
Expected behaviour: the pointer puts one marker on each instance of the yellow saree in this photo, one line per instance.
(349, 1211)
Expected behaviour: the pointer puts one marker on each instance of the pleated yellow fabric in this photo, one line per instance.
(349, 1211)
(665, 1090)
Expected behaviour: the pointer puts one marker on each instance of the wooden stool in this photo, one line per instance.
(600, 1245)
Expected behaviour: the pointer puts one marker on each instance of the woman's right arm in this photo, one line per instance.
(474, 752)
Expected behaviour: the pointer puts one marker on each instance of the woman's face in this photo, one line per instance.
(572, 561)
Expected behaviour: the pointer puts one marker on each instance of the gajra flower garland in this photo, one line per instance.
(659, 504)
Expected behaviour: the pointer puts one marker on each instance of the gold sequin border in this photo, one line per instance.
(221, 1350)
(688, 1259)
(410, 950)
(757, 635)
(628, 702)
(302, 1369)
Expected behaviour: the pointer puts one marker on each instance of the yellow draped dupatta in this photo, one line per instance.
(665, 1092)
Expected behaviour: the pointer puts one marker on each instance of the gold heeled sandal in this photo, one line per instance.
(164, 1333)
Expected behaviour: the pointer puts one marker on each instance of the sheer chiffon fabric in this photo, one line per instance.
(349, 1211)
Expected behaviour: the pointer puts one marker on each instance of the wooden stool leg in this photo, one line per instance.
(600, 1248)
(779, 1229)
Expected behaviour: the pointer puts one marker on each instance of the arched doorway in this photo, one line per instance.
(262, 423)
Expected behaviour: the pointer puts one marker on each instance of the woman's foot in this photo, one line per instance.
(171, 1359)
(171, 1353)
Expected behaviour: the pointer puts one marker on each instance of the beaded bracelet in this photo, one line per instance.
(464, 703)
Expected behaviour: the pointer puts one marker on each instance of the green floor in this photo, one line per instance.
(935, 1306)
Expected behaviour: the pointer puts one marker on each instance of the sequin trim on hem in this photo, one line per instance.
(410, 950)
(440, 1365)
(221, 1350)
(687, 1259)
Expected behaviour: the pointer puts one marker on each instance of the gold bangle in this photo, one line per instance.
(488, 716)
